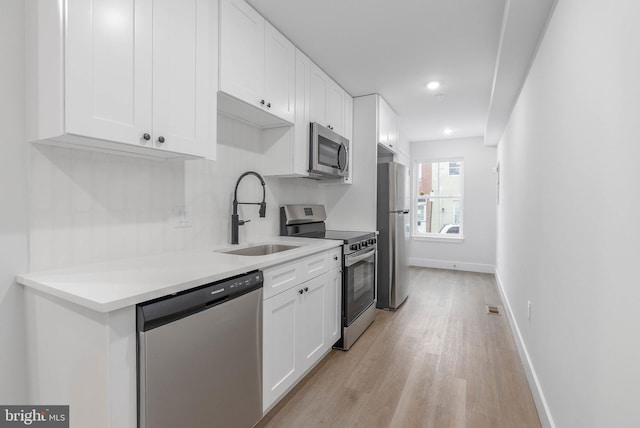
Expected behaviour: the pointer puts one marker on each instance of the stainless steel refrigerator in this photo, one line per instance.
(394, 226)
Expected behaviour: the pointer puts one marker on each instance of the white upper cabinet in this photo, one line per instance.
(336, 108)
(387, 125)
(182, 80)
(279, 73)
(241, 51)
(319, 83)
(131, 76)
(288, 152)
(257, 67)
(348, 133)
(403, 155)
(327, 101)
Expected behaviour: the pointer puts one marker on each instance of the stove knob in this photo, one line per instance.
(365, 244)
(355, 247)
(372, 241)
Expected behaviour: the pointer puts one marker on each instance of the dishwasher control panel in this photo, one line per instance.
(161, 311)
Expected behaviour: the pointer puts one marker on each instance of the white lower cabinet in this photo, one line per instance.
(279, 343)
(299, 326)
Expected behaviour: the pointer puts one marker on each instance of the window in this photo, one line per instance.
(454, 168)
(438, 198)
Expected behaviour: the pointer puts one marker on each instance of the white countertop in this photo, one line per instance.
(105, 287)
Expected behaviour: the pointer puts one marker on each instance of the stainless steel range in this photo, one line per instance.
(359, 265)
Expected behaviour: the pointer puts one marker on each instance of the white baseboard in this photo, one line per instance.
(534, 384)
(452, 265)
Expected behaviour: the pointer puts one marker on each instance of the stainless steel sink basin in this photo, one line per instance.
(260, 250)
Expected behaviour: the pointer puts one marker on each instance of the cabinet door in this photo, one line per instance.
(318, 92)
(392, 138)
(311, 322)
(301, 124)
(387, 125)
(348, 133)
(241, 51)
(333, 306)
(281, 315)
(108, 61)
(335, 108)
(384, 113)
(280, 74)
(182, 84)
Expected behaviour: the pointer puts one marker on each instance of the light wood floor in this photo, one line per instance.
(439, 361)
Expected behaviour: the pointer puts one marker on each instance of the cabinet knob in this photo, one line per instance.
(161, 139)
(335, 257)
(262, 102)
(306, 289)
(268, 105)
(146, 136)
(300, 291)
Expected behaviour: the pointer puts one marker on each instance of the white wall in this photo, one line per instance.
(92, 207)
(353, 207)
(568, 231)
(13, 215)
(477, 251)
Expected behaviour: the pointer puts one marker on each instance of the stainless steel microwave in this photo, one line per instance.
(328, 153)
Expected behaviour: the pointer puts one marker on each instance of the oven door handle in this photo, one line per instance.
(351, 260)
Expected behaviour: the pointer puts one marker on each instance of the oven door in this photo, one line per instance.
(358, 283)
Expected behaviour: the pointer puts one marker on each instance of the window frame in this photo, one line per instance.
(415, 176)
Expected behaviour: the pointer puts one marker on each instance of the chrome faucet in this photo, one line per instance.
(235, 221)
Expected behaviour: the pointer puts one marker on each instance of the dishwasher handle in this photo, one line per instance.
(158, 312)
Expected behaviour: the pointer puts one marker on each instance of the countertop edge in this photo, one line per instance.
(43, 281)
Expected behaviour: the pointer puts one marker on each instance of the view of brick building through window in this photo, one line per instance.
(439, 197)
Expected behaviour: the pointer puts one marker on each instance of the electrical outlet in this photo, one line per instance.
(529, 310)
(181, 216)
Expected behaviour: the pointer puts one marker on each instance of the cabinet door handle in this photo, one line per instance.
(262, 102)
(268, 105)
(161, 139)
(306, 289)
(335, 258)
(300, 291)
(146, 136)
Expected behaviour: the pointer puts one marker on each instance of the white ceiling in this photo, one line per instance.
(395, 47)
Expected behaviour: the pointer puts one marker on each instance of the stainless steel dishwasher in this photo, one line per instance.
(199, 356)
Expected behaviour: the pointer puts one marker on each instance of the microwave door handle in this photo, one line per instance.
(346, 157)
(351, 260)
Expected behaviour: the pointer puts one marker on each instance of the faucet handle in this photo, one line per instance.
(241, 222)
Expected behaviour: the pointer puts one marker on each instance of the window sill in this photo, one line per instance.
(436, 238)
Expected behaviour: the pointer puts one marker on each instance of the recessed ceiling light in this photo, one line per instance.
(432, 86)
(447, 131)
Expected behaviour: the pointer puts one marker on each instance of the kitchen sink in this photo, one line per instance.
(260, 250)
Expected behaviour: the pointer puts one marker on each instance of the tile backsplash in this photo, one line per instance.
(91, 207)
